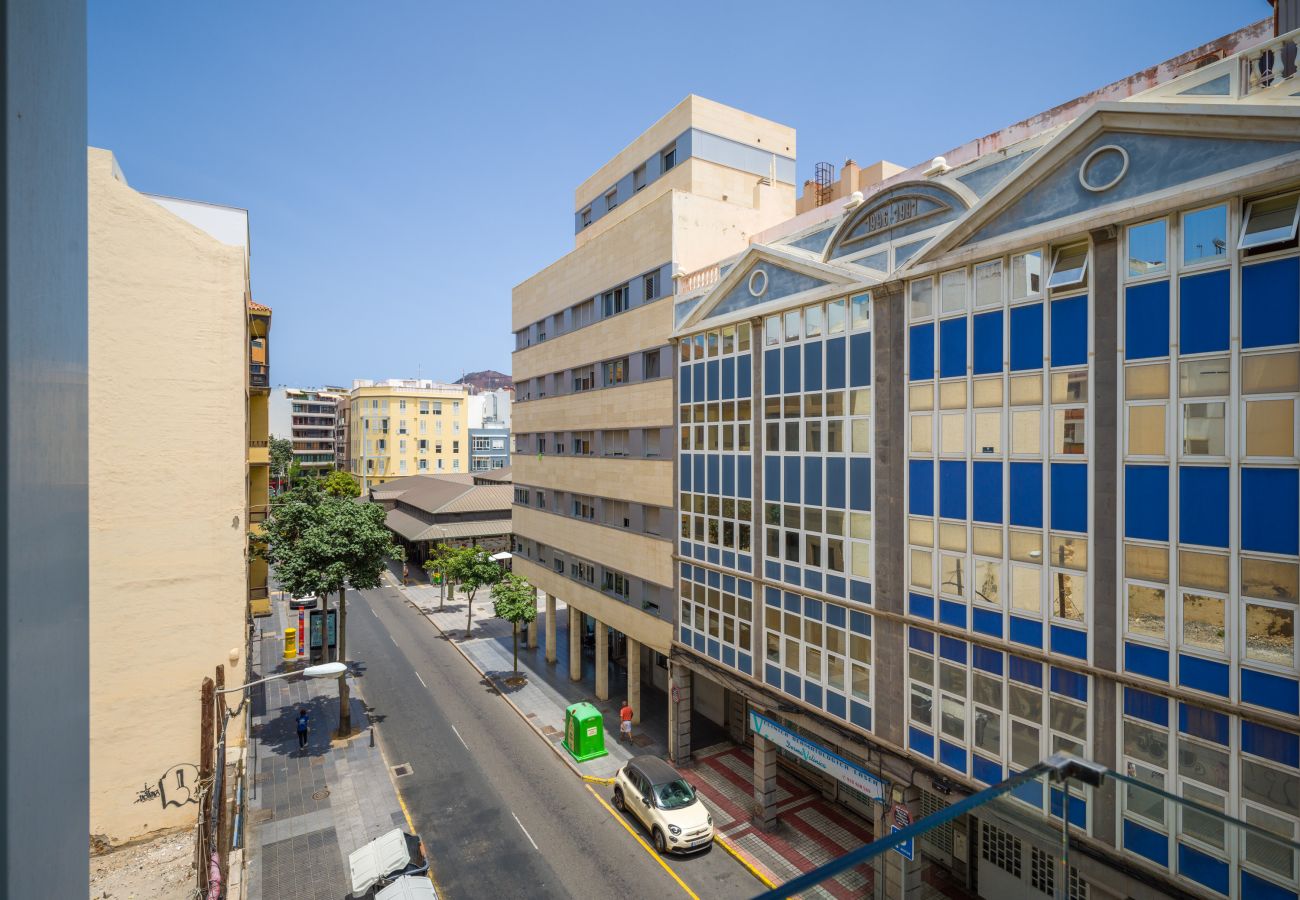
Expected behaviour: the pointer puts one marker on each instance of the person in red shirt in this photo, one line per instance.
(625, 723)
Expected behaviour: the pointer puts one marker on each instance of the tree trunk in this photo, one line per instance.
(516, 648)
(469, 614)
(345, 703)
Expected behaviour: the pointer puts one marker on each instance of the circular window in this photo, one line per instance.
(1103, 168)
(758, 282)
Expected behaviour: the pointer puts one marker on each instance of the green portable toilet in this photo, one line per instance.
(584, 732)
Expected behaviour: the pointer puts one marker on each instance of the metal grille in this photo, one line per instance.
(1078, 887)
(1042, 871)
(823, 175)
(1000, 848)
(940, 837)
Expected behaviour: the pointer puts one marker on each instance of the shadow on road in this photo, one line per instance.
(281, 732)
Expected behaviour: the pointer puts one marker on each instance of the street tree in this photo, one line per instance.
(281, 450)
(471, 568)
(514, 600)
(320, 544)
(437, 563)
(340, 484)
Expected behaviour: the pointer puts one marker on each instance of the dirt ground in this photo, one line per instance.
(160, 869)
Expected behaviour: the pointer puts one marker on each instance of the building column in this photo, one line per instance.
(602, 660)
(575, 643)
(902, 879)
(764, 783)
(533, 626)
(634, 679)
(550, 627)
(679, 714)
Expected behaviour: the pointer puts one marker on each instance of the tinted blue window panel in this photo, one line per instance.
(1078, 808)
(986, 621)
(860, 623)
(835, 364)
(1203, 674)
(1257, 888)
(1146, 320)
(713, 379)
(1026, 671)
(920, 606)
(698, 464)
(812, 693)
(860, 359)
(1203, 723)
(1270, 691)
(952, 347)
(1270, 303)
(835, 585)
(1070, 331)
(793, 603)
(1149, 661)
(919, 639)
(1145, 842)
(1069, 642)
(1271, 743)
(1026, 631)
(684, 385)
(1203, 312)
(1146, 502)
(728, 379)
(1070, 496)
(744, 376)
(728, 475)
(860, 483)
(986, 487)
(986, 660)
(919, 741)
(812, 480)
(952, 490)
(953, 614)
(771, 372)
(698, 383)
(984, 770)
(1211, 872)
(743, 489)
(729, 657)
(953, 649)
(792, 574)
(835, 615)
(860, 715)
(812, 609)
(1268, 510)
(835, 704)
(920, 489)
(921, 352)
(1070, 684)
(714, 465)
(812, 366)
(1144, 705)
(772, 477)
(1030, 792)
(812, 580)
(712, 555)
(772, 675)
(791, 479)
(1027, 337)
(684, 473)
(952, 756)
(1027, 494)
(714, 649)
(772, 570)
(860, 591)
(835, 482)
(790, 365)
(1203, 505)
(988, 343)
(698, 642)
(793, 684)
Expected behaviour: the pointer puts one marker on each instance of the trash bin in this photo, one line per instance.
(584, 732)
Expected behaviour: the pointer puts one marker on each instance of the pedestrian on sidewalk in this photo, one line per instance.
(625, 723)
(303, 719)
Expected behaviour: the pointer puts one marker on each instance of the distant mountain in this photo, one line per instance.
(487, 380)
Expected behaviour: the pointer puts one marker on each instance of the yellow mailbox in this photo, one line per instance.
(291, 643)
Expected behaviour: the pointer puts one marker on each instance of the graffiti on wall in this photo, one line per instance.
(178, 786)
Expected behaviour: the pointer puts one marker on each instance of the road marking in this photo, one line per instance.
(526, 834)
(648, 849)
(393, 639)
(373, 613)
(466, 746)
(417, 675)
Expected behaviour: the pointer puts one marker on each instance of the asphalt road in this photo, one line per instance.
(500, 815)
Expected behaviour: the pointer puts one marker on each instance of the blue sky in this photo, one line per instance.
(405, 164)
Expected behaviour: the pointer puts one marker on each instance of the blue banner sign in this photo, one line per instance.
(818, 757)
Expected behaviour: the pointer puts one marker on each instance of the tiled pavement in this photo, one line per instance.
(312, 807)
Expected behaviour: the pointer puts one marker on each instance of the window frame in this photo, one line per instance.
(1242, 245)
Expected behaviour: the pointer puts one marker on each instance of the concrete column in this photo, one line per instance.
(533, 626)
(602, 660)
(902, 878)
(679, 714)
(575, 644)
(549, 613)
(764, 783)
(634, 679)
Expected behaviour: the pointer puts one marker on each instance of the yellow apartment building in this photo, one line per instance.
(259, 458)
(404, 427)
(169, 571)
(594, 405)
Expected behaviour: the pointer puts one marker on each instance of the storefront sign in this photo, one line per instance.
(818, 757)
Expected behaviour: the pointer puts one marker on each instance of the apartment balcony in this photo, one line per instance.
(259, 453)
(259, 376)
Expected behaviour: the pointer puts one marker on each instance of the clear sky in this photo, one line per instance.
(405, 164)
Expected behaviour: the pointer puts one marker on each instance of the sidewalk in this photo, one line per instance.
(309, 808)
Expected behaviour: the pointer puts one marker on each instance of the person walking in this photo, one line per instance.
(303, 719)
(625, 723)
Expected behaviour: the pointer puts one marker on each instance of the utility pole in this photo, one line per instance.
(345, 707)
(207, 707)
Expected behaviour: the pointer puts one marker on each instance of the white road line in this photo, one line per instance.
(393, 639)
(373, 613)
(466, 746)
(417, 675)
(526, 834)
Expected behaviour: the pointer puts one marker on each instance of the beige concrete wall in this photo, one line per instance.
(635, 554)
(630, 332)
(649, 630)
(641, 405)
(610, 258)
(167, 320)
(639, 480)
(710, 230)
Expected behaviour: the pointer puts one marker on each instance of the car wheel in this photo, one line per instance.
(660, 844)
(618, 800)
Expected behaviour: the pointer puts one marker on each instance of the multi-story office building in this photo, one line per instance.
(168, 539)
(407, 427)
(310, 418)
(1001, 460)
(593, 374)
(342, 441)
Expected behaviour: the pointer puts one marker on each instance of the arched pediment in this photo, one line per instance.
(896, 213)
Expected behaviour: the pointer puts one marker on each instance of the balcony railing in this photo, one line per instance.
(1269, 65)
(700, 278)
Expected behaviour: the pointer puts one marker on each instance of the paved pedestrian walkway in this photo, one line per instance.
(309, 808)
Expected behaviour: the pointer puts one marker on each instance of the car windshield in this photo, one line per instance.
(674, 794)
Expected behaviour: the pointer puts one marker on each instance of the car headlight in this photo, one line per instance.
(674, 829)
(710, 818)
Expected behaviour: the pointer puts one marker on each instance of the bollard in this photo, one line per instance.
(291, 643)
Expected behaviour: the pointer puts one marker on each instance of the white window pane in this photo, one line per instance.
(952, 291)
(921, 296)
(1205, 235)
(988, 283)
(1146, 249)
(1026, 274)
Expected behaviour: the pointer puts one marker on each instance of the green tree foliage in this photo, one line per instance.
(281, 456)
(437, 562)
(341, 484)
(514, 600)
(471, 568)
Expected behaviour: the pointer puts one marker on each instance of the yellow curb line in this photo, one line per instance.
(753, 870)
(648, 849)
(596, 779)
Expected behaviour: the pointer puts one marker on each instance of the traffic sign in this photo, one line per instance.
(904, 849)
(902, 817)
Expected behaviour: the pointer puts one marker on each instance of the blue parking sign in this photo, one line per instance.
(904, 849)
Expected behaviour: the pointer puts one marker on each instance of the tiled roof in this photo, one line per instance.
(254, 306)
(482, 498)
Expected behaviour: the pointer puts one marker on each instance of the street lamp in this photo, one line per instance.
(324, 670)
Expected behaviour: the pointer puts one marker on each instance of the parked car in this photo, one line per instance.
(665, 803)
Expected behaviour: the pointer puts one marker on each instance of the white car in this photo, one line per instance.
(657, 794)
